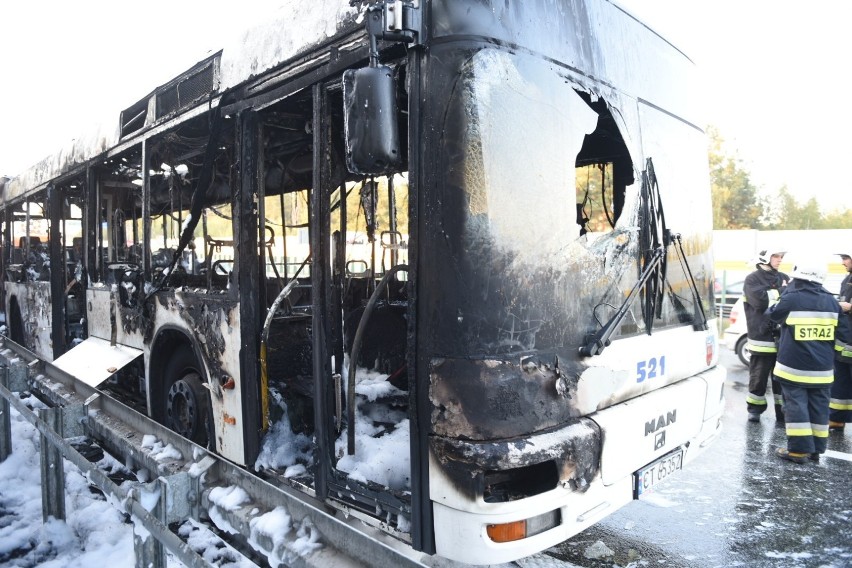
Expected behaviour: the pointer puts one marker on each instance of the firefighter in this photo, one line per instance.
(811, 320)
(761, 289)
(840, 406)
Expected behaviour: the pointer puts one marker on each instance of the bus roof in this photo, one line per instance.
(287, 41)
(295, 28)
(292, 31)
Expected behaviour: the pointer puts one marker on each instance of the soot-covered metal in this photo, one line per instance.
(575, 458)
(489, 399)
(519, 280)
(204, 315)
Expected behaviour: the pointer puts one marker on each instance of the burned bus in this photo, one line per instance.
(442, 265)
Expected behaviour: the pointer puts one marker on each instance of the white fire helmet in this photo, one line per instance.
(764, 255)
(812, 270)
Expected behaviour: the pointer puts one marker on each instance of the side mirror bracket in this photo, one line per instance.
(393, 20)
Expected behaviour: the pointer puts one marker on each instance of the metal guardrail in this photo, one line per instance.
(182, 487)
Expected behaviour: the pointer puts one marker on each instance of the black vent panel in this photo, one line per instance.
(178, 94)
(167, 101)
(198, 85)
(193, 86)
(133, 117)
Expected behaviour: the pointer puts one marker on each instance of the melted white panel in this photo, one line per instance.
(94, 360)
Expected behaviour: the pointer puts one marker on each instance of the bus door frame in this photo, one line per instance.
(247, 264)
(422, 530)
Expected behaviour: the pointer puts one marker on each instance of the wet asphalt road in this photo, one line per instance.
(736, 505)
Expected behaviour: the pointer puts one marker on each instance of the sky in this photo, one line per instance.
(775, 90)
(772, 68)
(66, 67)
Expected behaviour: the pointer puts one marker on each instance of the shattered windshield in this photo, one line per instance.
(520, 139)
(527, 133)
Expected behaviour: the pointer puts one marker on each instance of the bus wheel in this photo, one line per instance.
(187, 401)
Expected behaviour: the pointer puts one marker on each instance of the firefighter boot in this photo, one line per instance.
(836, 426)
(794, 457)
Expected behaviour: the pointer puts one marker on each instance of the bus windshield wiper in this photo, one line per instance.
(596, 342)
(699, 317)
(655, 238)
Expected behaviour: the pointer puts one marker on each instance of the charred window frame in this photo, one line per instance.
(67, 260)
(29, 235)
(117, 218)
(287, 132)
(170, 177)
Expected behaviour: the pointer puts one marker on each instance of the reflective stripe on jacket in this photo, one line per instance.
(756, 346)
(810, 323)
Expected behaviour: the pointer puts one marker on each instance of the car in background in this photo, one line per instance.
(735, 336)
(725, 301)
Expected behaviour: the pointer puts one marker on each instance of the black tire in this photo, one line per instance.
(187, 401)
(742, 350)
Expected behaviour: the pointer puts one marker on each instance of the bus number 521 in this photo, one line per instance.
(651, 368)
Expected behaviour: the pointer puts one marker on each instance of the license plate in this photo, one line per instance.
(647, 478)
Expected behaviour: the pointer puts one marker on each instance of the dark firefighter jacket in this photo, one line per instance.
(761, 340)
(810, 322)
(844, 348)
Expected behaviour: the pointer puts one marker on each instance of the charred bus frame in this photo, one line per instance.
(535, 310)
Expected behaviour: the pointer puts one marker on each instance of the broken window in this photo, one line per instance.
(545, 228)
(30, 233)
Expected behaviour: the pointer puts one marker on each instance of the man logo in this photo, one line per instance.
(657, 423)
(660, 440)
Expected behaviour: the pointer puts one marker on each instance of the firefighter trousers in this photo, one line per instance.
(807, 417)
(759, 370)
(840, 406)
